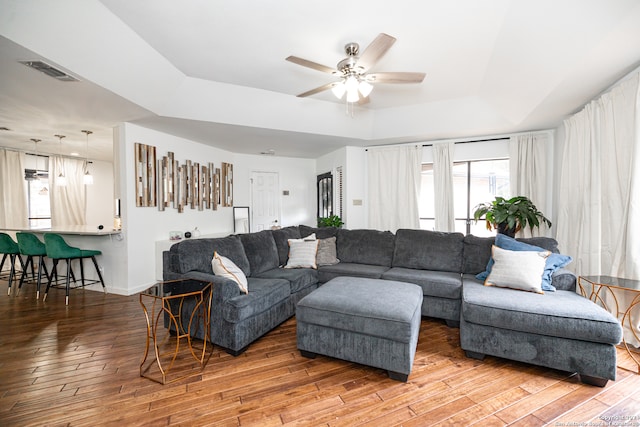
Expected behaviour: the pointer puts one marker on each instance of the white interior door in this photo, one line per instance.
(265, 200)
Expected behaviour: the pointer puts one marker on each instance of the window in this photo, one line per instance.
(474, 182)
(38, 198)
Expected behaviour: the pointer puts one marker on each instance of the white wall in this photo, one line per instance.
(297, 176)
(144, 226)
(100, 199)
(355, 188)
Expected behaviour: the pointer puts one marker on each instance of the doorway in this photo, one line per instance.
(265, 200)
(325, 195)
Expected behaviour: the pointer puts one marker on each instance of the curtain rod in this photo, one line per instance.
(457, 142)
(51, 155)
(475, 140)
(498, 137)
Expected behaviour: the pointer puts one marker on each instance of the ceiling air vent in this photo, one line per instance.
(49, 70)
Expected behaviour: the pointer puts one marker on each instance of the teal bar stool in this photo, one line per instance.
(58, 249)
(31, 246)
(9, 248)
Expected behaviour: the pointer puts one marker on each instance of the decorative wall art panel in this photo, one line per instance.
(165, 182)
(145, 169)
(227, 184)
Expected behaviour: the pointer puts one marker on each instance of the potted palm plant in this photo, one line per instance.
(330, 221)
(509, 216)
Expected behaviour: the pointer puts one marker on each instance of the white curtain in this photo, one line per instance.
(528, 174)
(68, 203)
(394, 187)
(599, 195)
(14, 211)
(443, 186)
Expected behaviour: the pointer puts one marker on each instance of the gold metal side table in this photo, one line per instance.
(163, 304)
(608, 284)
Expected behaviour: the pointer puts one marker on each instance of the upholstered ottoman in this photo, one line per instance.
(369, 321)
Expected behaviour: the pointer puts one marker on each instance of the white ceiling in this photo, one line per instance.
(215, 71)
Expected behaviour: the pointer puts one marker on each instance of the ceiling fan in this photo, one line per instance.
(355, 81)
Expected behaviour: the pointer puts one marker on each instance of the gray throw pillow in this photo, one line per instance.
(327, 254)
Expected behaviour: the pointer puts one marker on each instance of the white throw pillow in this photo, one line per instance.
(224, 267)
(302, 253)
(520, 270)
(311, 236)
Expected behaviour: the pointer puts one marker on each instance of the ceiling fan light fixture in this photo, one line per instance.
(353, 96)
(339, 90)
(365, 88)
(351, 84)
(353, 72)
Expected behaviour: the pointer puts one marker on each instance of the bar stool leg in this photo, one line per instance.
(40, 266)
(54, 273)
(81, 261)
(68, 287)
(95, 263)
(12, 271)
(25, 272)
(46, 274)
(33, 272)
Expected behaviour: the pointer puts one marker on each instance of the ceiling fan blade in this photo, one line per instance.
(311, 64)
(376, 50)
(395, 77)
(317, 90)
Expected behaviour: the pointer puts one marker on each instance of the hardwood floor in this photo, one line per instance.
(79, 365)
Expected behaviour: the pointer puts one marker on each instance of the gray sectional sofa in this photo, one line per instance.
(561, 329)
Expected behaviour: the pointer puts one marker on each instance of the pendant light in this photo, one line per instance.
(61, 179)
(88, 178)
(43, 191)
(28, 175)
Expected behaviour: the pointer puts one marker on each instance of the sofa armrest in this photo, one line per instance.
(564, 280)
(223, 288)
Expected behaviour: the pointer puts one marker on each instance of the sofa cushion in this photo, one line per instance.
(320, 232)
(564, 279)
(328, 272)
(263, 295)
(476, 253)
(299, 278)
(441, 284)
(428, 250)
(196, 254)
(281, 237)
(542, 242)
(365, 246)
(562, 314)
(261, 251)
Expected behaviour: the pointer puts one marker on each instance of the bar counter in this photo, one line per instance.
(82, 230)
